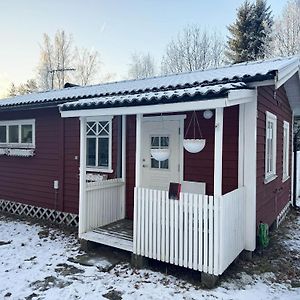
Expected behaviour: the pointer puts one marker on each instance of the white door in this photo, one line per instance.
(158, 134)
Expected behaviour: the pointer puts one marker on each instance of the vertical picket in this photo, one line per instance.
(190, 220)
(176, 261)
(185, 240)
(158, 199)
(181, 208)
(210, 235)
(154, 223)
(196, 229)
(168, 225)
(150, 223)
(172, 225)
(163, 226)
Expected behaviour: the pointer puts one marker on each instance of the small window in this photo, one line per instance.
(98, 142)
(17, 134)
(159, 142)
(270, 149)
(285, 157)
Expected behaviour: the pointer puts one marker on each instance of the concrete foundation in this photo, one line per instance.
(139, 262)
(209, 281)
(246, 255)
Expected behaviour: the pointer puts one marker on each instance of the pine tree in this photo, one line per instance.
(250, 33)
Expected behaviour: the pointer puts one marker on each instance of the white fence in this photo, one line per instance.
(197, 231)
(104, 203)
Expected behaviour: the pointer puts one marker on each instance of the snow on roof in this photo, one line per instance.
(238, 72)
(153, 97)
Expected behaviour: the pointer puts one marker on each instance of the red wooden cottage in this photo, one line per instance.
(109, 152)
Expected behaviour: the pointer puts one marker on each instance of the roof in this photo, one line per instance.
(244, 72)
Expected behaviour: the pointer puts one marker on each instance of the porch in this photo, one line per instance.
(201, 231)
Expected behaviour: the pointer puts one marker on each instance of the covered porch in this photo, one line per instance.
(203, 229)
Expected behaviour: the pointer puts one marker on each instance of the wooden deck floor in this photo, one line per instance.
(118, 234)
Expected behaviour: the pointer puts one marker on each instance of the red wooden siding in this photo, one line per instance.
(273, 196)
(30, 179)
(130, 164)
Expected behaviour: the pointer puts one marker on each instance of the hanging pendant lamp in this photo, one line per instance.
(194, 145)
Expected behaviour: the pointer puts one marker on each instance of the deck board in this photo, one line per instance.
(118, 234)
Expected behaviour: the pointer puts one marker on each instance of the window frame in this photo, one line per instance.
(96, 168)
(285, 151)
(270, 175)
(18, 144)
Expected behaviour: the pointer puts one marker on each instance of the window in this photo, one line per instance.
(17, 134)
(159, 142)
(285, 157)
(270, 150)
(99, 144)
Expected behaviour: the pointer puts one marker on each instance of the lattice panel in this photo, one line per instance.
(283, 214)
(39, 212)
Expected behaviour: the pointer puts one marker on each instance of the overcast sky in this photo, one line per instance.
(114, 28)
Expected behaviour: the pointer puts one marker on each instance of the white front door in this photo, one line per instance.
(156, 134)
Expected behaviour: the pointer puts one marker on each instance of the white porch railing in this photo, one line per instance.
(104, 203)
(197, 231)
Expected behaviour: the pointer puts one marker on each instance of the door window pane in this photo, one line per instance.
(103, 152)
(26, 134)
(13, 133)
(2, 134)
(91, 151)
(159, 142)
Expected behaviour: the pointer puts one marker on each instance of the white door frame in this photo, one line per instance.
(138, 158)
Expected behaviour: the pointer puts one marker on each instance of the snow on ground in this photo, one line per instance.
(37, 262)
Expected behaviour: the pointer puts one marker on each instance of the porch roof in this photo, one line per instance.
(160, 97)
(279, 69)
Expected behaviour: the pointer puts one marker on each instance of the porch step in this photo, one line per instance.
(108, 239)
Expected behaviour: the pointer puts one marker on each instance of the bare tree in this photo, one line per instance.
(55, 59)
(87, 65)
(286, 39)
(28, 87)
(193, 49)
(141, 66)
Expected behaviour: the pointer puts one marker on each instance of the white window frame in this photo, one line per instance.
(285, 151)
(270, 174)
(19, 144)
(109, 167)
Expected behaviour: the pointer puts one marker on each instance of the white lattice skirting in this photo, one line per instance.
(39, 212)
(283, 214)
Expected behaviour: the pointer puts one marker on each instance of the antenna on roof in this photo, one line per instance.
(52, 72)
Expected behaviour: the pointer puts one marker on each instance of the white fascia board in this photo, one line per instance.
(262, 83)
(236, 97)
(286, 73)
(148, 109)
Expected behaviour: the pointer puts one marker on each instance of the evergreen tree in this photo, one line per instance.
(250, 33)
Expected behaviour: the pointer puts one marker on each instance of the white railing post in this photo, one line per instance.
(138, 158)
(123, 209)
(82, 178)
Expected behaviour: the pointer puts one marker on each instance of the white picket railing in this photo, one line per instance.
(190, 232)
(104, 203)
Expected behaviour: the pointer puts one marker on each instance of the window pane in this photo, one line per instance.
(103, 128)
(2, 134)
(91, 128)
(154, 163)
(164, 164)
(91, 151)
(13, 133)
(164, 141)
(26, 134)
(154, 142)
(103, 152)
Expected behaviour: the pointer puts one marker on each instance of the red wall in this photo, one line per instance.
(30, 179)
(273, 196)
